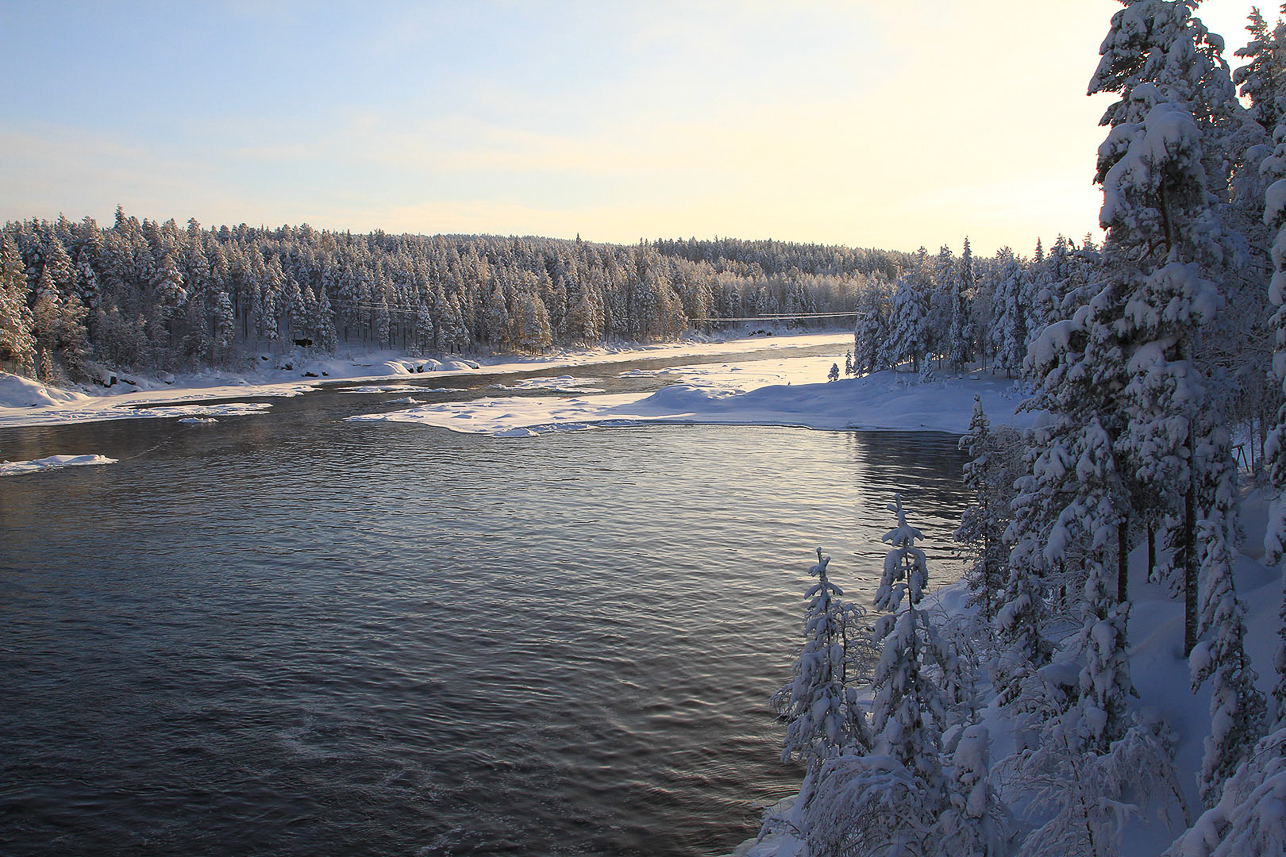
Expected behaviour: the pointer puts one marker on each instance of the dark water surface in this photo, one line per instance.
(289, 634)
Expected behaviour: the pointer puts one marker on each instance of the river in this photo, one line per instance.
(291, 634)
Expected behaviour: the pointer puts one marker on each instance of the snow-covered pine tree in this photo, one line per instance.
(820, 703)
(1154, 198)
(1167, 159)
(17, 343)
(888, 800)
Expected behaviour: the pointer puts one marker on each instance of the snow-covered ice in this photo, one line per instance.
(52, 462)
(560, 384)
(885, 400)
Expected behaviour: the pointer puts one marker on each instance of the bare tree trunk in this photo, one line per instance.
(1152, 552)
(1123, 560)
(1188, 542)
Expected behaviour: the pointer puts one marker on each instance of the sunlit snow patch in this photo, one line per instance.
(53, 462)
(512, 416)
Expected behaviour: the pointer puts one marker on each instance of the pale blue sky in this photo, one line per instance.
(867, 123)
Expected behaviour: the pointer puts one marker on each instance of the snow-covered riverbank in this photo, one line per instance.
(785, 390)
(884, 400)
(24, 402)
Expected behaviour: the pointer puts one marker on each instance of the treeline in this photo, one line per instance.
(149, 295)
(948, 313)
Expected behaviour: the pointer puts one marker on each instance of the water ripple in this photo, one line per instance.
(305, 636)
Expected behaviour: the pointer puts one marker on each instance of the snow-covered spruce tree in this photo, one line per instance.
(1071, 503)
(1275, 447)
(17, 343)
(1261, 80)
(994, 458)
(871, 329)
(943, 286)
(961, 333)
(1237, 709)
(975, 823)
(1077, 802)
(1022, 641)
(820, 703)
(1248, 820)
(889, 801)
(531, 330)
(908, 324)
(1009, 308)
(225, 324)
(1104, 682)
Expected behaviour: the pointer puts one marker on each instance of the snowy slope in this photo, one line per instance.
(1160, 674)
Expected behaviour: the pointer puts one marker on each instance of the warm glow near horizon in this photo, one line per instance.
(860, 123)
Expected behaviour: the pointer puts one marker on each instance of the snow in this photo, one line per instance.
(53, 462)
(24, 402)
(1161, 676)
(777, 390)
(561, 384)
(748, 394)
(1275, 202)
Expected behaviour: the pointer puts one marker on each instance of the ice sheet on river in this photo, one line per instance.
(884, 400)
(52, 462)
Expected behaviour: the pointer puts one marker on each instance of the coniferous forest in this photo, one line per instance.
(148, 295)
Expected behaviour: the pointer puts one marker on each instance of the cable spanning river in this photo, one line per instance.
(290, 634)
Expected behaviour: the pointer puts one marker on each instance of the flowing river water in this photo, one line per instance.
(290, 634)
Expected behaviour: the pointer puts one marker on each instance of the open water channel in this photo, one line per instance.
(290, 634)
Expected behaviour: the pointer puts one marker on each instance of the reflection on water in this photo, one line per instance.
(291, 634)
